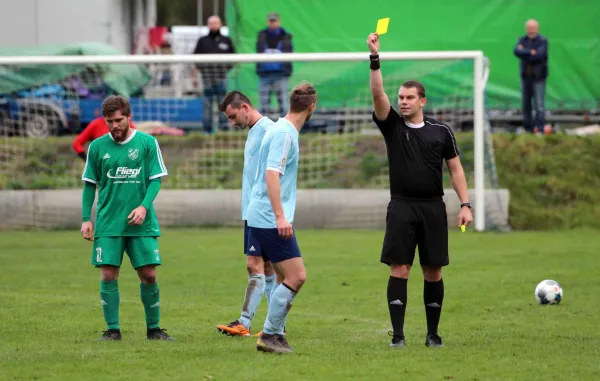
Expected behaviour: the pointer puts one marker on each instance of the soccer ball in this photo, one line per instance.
(548, 292)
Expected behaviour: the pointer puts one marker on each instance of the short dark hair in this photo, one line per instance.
(415, 84)
(302, 96)
(114, 103)
(235, 99)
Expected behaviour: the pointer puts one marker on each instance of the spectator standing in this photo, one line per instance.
(532, 51)
(274, 76)
(214, 75)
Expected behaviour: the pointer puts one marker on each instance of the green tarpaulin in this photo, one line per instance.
(492, 26)
(124, 79)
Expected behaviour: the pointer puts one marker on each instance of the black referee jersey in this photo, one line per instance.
(416, 155)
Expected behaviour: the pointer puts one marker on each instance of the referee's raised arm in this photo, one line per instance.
(381, 103)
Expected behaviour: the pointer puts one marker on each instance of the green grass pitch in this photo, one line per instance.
(492, 328)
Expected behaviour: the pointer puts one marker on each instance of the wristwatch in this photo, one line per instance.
(467, 204)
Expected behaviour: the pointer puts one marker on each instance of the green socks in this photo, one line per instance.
(151, 300)
(109, 297)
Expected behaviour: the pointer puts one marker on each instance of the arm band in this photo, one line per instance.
(374, 61)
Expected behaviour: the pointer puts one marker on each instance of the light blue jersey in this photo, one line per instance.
(251, 150)
(279, 152)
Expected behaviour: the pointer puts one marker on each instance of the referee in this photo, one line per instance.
(416, 215)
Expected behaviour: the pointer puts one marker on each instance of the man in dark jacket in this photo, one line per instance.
(214, 75)
(532, 51)
(274, 76)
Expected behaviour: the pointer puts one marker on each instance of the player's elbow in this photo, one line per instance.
(379, 96)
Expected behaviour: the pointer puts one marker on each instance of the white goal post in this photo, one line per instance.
(479, 79)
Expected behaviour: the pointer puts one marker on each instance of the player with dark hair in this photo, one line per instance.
(238, 108)
(271, 214)
(416, 215)
(126, 165)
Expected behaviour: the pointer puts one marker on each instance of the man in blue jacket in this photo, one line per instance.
(532, 51)
(274, 76)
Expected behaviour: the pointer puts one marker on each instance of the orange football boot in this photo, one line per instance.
(235, 328)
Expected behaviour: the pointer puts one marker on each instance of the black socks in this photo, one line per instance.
(433, 296)
(396, 295)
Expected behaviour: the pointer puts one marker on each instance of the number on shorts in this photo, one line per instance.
(98, 254)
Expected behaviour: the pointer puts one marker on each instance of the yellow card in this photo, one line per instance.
(462, 228)
(382, 25)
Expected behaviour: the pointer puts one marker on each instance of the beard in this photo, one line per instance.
(308, 116)
(120, 134)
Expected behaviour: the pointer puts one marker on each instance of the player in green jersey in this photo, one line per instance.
(126, 166)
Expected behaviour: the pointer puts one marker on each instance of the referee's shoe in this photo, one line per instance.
(397, 342)
(433, 341)
(430, 341)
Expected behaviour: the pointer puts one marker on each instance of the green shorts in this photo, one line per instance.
(142, 251)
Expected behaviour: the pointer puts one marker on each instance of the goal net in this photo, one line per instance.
(343, 177)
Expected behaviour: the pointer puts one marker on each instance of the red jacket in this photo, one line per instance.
(94, 130)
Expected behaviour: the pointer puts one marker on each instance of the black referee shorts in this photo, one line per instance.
(416, 223)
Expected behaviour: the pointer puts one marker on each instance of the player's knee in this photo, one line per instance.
(297, 280)
(109, 273)
(432, 274)
(301, 280)
(400, 271)
(148, 278)
(254, 265)
(147, 274)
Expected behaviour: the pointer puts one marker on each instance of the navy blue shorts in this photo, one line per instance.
(252, 253)
(269, 244)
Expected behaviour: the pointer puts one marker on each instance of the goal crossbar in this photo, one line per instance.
(475, 55)
(237, 58)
